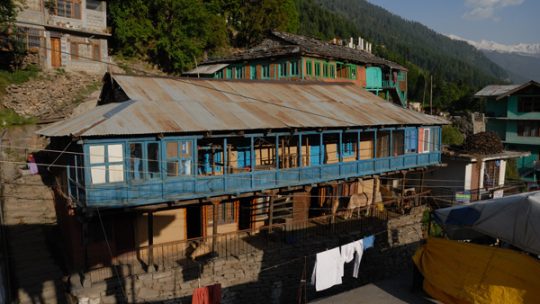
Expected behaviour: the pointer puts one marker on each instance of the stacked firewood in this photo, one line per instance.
(483, 143)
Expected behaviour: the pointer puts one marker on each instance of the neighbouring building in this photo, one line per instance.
(513, 112)
(67, 34)
(293, 57)
(163, 160)
(470, 177)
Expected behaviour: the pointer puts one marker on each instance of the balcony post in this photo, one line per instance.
(252, 160)
(215, 205)
(150, 234)
(358, 146)
(277, 152)
(300, 163)
(225, 162)
(340, 147)
(271, 212)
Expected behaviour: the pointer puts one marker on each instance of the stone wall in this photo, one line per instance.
(272, 275)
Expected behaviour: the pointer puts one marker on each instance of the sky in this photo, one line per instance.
(502, 21)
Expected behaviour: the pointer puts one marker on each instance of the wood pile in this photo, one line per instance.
(483, 143)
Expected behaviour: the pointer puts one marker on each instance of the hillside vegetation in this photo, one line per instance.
(175, 34)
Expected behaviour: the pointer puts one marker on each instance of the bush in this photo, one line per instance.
(451, 136)
(9, 117)
(16, 77)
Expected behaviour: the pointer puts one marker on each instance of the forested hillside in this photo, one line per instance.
(174, 34)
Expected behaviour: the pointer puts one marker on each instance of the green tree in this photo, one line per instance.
(451, 136)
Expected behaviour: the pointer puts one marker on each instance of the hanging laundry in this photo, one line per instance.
(328, 269)
(207, 295)
(348, 253)
(369, 241)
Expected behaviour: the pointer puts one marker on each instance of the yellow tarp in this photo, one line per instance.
(456, 272)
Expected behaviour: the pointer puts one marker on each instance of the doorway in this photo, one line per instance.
(56, 53)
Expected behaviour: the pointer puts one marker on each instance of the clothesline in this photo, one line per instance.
(314, 254)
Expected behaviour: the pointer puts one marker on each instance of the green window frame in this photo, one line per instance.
(229, 73)
(106, 163)
(326, 70)
(294, 68)
(179, 158)
(283, 69)
(352, 71)
(219, 75)
(239, 72)
(332, 71)
(317, 69)
(265, 71)
(252, 72)
(309, 68)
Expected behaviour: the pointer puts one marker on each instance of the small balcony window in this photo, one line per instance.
(106, 163)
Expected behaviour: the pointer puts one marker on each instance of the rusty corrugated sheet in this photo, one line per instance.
(180, 105)
(207, 69)
(495, 90)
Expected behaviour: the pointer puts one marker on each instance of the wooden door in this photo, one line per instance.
(56, 55)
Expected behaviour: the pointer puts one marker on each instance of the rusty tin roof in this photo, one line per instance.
(178, 105)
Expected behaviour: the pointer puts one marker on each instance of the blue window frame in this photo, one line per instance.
(411, 140)
(106, 163)
(179, 156)
(206, 160)
(144, 161)
(244, 157)
(348, 146)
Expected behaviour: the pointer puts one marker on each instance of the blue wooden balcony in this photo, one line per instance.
(194, 187)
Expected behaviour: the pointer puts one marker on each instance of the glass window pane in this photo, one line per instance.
(172, 149)
(115, 153)
(135, 160)
(186, 167)
(186, 149)
(172, 168)
(98, 174)
(97, 154)
(153, 160)
(116, 173)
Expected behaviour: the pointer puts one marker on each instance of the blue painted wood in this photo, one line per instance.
(143, 192)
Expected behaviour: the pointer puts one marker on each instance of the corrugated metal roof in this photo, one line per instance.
(180, 105)
(207, 69)
(501, 91)
(496, 90)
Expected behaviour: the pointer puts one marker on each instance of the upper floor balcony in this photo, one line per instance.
(140, 171)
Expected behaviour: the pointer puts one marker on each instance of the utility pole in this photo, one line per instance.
(431, 97)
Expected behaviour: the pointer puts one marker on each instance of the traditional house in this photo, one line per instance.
(470, 177)
(68, 34)
(294, 57)
(167, 159)
(513, 112)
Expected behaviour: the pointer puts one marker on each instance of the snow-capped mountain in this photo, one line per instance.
(486, 45)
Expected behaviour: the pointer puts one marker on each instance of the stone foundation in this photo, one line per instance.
(272, 275)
